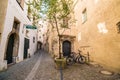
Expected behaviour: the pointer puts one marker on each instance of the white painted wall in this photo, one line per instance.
(14, 10)
(33, 46)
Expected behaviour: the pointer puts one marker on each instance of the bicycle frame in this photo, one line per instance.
(74, 58)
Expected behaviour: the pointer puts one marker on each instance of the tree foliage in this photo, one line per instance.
(34, 10)
(56, 11)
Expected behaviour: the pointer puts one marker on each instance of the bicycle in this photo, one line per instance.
(75, 58)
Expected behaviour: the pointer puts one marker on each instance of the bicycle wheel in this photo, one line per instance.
(82, 59)
(69, 61)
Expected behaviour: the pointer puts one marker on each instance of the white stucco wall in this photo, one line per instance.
(14, 11)
(40, 35)
(32, 45)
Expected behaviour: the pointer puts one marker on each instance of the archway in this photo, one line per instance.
(66, 47)
(12, 48)
(39, 45)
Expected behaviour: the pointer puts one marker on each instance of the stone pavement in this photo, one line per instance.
(41, 67)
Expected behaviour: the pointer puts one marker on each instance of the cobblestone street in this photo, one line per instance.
(41, 67)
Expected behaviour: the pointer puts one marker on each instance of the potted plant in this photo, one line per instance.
(60, 63)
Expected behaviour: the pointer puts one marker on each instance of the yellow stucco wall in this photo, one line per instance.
(99, 35)
(3, 7)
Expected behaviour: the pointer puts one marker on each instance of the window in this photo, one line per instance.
(33, 39)
(118, 27)
(84, 16)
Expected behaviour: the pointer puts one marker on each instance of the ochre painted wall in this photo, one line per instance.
(3, 9)
(99, 35)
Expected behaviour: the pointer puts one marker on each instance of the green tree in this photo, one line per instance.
(34, 10)
(57, 12)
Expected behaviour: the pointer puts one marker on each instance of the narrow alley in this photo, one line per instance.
(59, 39)
(42, 67)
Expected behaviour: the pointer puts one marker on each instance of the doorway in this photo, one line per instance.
(66, 47)
(39, 45)
(9, 52)
(26, 47)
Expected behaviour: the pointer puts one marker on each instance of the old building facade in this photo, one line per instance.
(95, 33)
(98, 31)
(13, 30)
(67, 39)
(41, 31)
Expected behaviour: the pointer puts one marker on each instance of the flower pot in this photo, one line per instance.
(60, 63)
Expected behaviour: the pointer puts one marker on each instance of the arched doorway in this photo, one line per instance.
(39, 45)
(66, 47)
(12, 48)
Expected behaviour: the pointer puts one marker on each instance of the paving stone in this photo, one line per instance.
(20, 70)
(46, 70)
(106, 72)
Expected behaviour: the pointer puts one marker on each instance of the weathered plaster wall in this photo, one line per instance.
(99, 35)
(32, 45)
(13, 11)
(3, 8)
